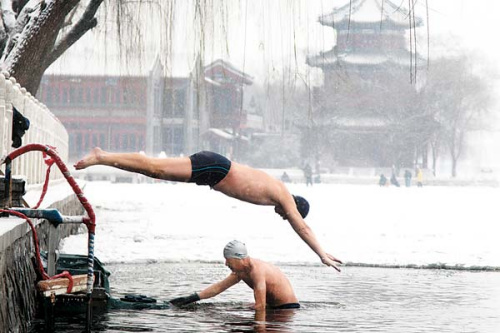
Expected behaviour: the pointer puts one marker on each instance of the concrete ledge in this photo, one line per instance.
(12, 229)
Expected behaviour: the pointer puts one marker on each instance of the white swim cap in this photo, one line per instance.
(235, 249)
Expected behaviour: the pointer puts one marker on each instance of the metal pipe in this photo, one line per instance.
(51, 214)
(8, 183)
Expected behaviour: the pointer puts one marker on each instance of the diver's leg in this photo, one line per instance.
(175, 169)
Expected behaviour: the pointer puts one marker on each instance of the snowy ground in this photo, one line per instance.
(361, 224)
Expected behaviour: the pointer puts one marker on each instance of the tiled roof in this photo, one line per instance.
(380, 12)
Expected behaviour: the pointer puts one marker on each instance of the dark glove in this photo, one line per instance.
(194, 297)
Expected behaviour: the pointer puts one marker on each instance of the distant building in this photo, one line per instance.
(108, 112)
(154, 114)
(371, 52)
(202, 111)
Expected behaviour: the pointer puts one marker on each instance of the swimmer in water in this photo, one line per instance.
(270, 286)
(233, 179)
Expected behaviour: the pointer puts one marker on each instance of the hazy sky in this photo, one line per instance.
(262, 37)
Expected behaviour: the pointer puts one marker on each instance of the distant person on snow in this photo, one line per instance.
(394, 180)
(420, 177)
(308, 174)
(233, 179)
(383, 180)
(407, 178)
(285, 178)
(270, 286)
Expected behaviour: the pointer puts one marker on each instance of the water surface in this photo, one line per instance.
(165, 240)
(357, 300)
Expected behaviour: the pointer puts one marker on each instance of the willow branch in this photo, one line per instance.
(86, 22)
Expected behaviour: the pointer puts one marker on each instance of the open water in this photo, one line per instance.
(165, 240)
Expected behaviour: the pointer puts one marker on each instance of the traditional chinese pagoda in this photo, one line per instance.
(366, 110)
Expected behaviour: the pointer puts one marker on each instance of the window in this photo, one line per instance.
(48, 95)
(104, 95)
(117, 95)
(86, 144)
(133, 97)
(80, 95)
(56, 95)
(156, 139)
(168, 107)
(102, 141)
(65, 96)
(79, 142)
(179, 103)
(95, 140)
(141, 143)
(133, 142)
(125, 141)
(116, 142)
(72, 141)
(125, 96)
(72, 95)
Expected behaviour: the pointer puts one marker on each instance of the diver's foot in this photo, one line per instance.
(90, 159)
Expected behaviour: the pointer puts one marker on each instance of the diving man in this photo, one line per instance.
(233, 179)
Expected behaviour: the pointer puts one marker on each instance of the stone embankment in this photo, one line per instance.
(17, 275)
(17, 272)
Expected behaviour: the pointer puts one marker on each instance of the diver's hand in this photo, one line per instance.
(194, 297)
(331, 261)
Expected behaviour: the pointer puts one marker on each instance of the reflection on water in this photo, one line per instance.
(356, 300)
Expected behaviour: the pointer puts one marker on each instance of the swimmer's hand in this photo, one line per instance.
(331, 261)
(194, 297)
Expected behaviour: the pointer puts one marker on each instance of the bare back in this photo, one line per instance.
(279, 291)
(252, 185)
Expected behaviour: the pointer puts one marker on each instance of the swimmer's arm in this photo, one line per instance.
(216, 288)
(260, 319)
(259, 293)
(304, 231)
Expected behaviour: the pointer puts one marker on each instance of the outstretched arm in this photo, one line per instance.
(304, 231)
(211, 291)
(216, 288)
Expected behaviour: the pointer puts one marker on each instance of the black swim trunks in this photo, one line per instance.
(208, 168)
(287, 306)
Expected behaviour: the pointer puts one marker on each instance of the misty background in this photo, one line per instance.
(272, 85)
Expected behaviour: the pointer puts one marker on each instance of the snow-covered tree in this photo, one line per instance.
(34, 33)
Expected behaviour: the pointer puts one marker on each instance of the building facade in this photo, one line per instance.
(366, 110)
(108, 112)
(202, 111)
(155, 114)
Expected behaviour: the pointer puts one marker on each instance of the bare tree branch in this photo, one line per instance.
(8, 15)
(70, 38)
(86, 22)
(69, 20)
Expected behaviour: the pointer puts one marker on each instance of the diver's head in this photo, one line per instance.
(302, 205)
(234, 252)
